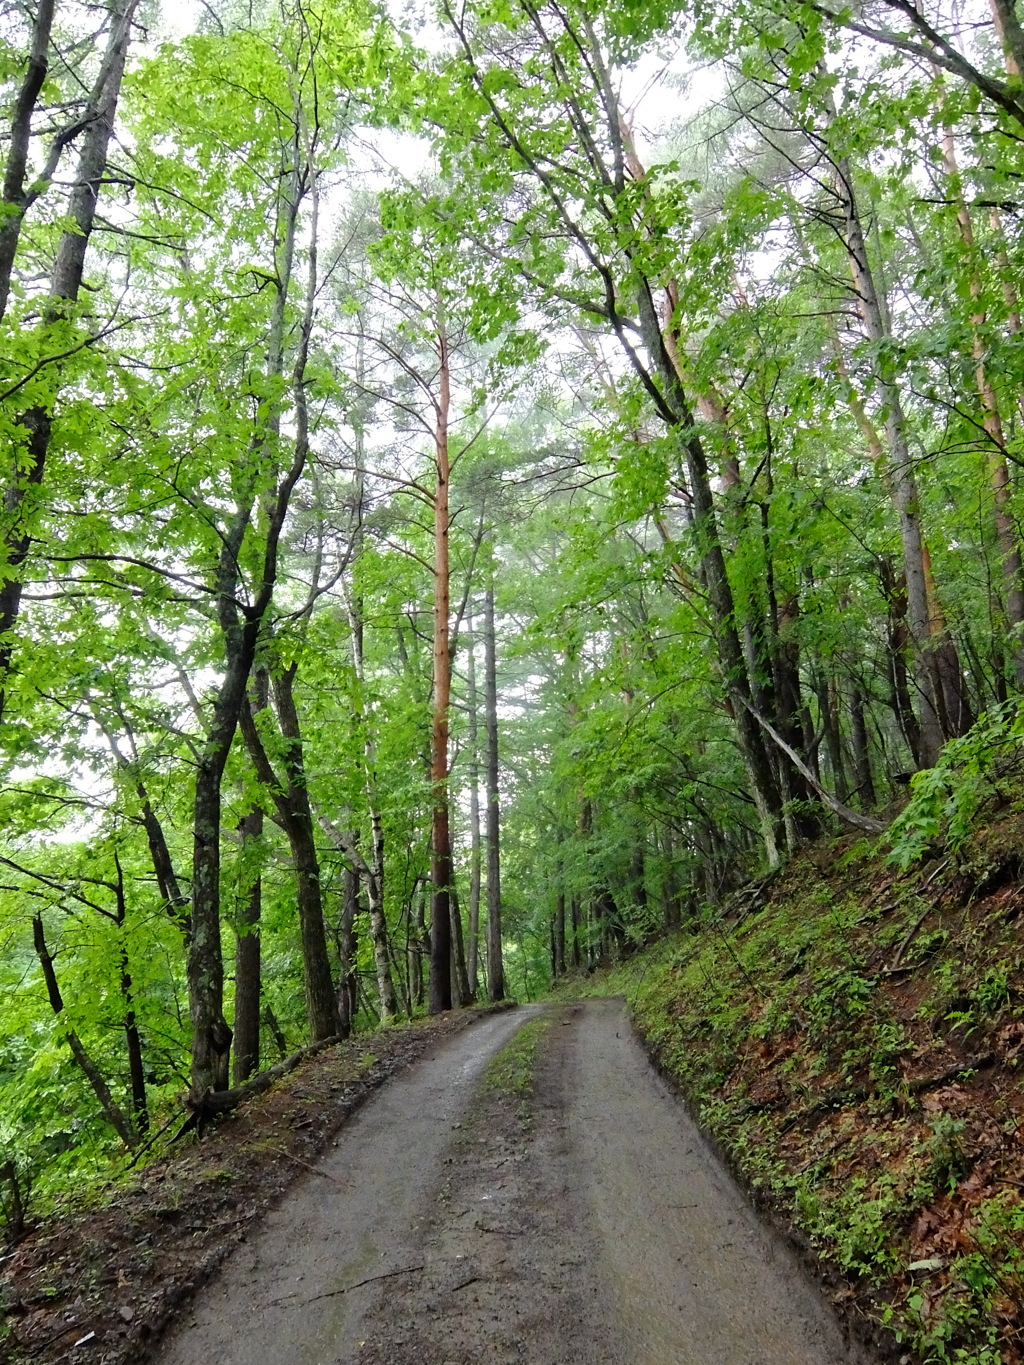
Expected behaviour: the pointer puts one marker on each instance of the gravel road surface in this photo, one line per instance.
(452, 1224)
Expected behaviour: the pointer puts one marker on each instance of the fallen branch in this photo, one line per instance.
(955, 1073)
(210, 1103)
(141, 1151)
(867, 823)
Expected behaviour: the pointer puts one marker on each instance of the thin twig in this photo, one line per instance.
(345, 1184)
(333, 1293)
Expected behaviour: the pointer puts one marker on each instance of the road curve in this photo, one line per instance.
(447, 1226)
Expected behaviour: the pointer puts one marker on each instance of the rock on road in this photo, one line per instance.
(448, 1227)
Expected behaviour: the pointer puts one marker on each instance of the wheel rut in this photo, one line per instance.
(453, 1225)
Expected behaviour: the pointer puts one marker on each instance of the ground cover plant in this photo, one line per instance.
(852, 1033)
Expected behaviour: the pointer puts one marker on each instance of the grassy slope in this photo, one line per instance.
(853, 1037)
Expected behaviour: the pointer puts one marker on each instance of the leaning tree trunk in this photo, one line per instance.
(112, 1111)
(667, 385)
(132, 1036)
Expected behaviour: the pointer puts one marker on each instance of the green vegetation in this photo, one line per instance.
(511, 1071)
(478, 484)
(851, 1037)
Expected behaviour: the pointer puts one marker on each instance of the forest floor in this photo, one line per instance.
(851, 1037)
(529, 1190)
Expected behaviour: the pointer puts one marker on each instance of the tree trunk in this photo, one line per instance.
(375, 873)
(1006, 537)
(247, 956)
(386, 996)
(495, 960)
(861, 754)
(240, 628)
(670, 907)
(558, 953)
(419, 948)
(900, 474)
(475, 879)
(276, 1031)
(112, 1111)
(833, 739)
(321, 1002)
(211, 1036)
(132, 1037)
(459, 973)
(347, 980)
(65, 287)
(1007, 25)
(440, 837)
(663, 346)
(15, 199)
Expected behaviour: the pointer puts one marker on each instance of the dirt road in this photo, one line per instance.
(451, 1225)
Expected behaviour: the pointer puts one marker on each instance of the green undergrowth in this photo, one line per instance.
(511, 1070)
(851, 1034)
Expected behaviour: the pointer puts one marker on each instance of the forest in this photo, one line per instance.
(480, 481)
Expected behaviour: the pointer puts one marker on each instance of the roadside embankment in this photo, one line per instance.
(851, 1036)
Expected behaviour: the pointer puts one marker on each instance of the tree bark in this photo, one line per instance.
(247, 953)
(577, 918)
(440, 836)
(861, 753)
(495, 960)
(112, 1111)
(374, 874)
(15, 200)
(558, 937)
(460, 974)
(1008, 27)
(667, 382)
(65, 286)
(347, 981)
(291, 798)
(475, 879)
(132, 1037)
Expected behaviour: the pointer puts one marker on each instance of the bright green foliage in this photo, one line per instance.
(301, 201)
